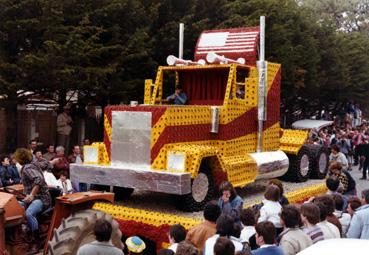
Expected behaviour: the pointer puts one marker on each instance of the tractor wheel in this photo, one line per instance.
(300, 166)
(78, 229)
(202, 191)
(319, 162)
(122, 193)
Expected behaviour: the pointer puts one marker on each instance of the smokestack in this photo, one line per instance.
(181, 38)
(262, 86)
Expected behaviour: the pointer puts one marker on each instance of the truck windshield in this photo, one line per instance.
(202, 86)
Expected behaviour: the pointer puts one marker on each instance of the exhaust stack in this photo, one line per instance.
(262, 90)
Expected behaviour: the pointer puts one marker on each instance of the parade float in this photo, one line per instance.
(184, 150)
(188, 150)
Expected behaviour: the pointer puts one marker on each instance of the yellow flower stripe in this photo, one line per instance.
(149, 217)
(157, 219)
(297, 196)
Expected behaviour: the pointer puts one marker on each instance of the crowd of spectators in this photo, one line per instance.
(349, 145)
(274, 226)
(43, 172)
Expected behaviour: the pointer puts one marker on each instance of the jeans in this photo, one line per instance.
(34, 208)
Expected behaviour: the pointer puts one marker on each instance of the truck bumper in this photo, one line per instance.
(158, 181)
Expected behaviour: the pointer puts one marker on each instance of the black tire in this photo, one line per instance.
(319, 161)
(300, 166)
(122, 193)
(77, 230)
(194, 202)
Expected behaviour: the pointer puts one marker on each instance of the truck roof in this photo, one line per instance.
(231, 43)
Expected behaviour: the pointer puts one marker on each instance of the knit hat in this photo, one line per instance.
(135, 244)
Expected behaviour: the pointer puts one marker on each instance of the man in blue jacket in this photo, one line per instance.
(265, 238)
(359, 226)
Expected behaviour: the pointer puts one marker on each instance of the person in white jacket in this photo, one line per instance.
(271, 208)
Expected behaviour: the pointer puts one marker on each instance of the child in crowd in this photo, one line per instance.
(64, 183)
(344, 218)
(177, 233)
(248, 231)
(271, 208)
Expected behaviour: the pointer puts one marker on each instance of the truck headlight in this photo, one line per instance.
(91, 154)
(176, 161)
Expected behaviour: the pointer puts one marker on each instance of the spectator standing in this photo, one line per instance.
(329, 205)
(33, 145)
(186, 248)
(345, 147)
(224, 227)
(200, 233)
(310, 217)
(166, 252)
(352, 204)
(76, 156)
(177, 233)
(248, 232)
(102, 245)
(50, 154)
(265, 238)
(356, 141)
(230, 203)
(62, 164)
(224, 246)
(344, 218)
(329, 230)
(292, 238)
(8, 173)
(283, 200)
(359, 227)
(271, 207)
(337, 156)
(364, 152)
(37, 195)
(64, 127)
(357, 115)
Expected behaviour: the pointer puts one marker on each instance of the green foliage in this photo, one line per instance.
(104, 49)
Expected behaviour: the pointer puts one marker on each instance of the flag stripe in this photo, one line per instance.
(225, 51)
(228, 47)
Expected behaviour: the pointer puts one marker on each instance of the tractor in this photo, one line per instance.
(64, 227)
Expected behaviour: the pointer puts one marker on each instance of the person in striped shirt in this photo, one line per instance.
(310, 216)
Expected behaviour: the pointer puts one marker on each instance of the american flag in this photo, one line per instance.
(241, 42)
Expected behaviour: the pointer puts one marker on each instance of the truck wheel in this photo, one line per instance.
(78, 229)
(122, 193)
(320, 162)
(300, 166)
(202, 191)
